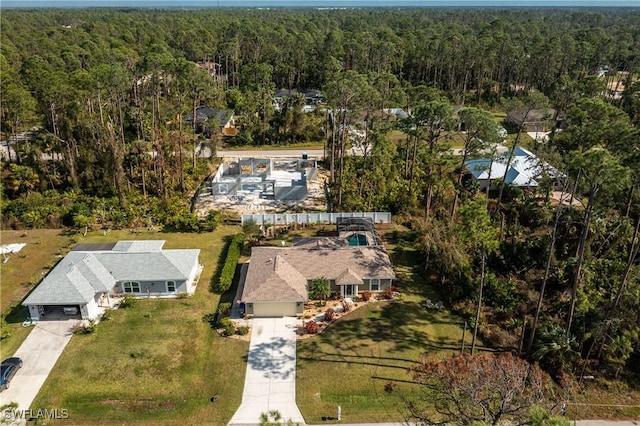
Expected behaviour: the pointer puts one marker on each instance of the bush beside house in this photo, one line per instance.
(229, 268)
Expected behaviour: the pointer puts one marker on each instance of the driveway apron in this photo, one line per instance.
(39, 353)
(270, 381)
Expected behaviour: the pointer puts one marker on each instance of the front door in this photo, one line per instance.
(349, 290)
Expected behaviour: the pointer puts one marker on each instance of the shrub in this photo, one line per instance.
(311, 327)
(107, 316)
(224, 308)
(390, 386)
(4, 329)
(210, 319)
(242, 331)
(229, 268)
(346, 307)
(388, 293)
(366, 295)
(129, 301)
(211, 220)
(83, 327)
(229, 326)
(329, 314)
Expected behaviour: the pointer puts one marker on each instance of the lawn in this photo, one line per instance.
(157, 362)
(356, 359)
(20, 274)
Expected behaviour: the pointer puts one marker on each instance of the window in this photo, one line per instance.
(223, 188)
(375, 284)
(131, 287)
(171, 286)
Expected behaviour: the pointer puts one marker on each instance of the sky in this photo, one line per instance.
(317, 3)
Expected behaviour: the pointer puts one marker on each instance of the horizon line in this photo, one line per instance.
(332, 4)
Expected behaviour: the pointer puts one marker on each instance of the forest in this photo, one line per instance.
(102, 96)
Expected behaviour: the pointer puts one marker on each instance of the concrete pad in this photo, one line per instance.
(39, 353)
(270, 381)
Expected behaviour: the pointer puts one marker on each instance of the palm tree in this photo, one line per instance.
(319, 288)
(554, 349)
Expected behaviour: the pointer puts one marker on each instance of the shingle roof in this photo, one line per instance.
(348, 276)
(284, 284)
(80, 275)
(309, 261)
(205, 113)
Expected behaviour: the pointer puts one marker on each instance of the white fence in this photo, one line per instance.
(321, 218)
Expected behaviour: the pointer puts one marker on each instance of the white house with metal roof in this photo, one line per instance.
(525, 170)
(84, 282)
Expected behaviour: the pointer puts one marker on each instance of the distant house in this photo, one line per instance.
(312, 97)
(278, 278)
(537, 120)
(525, 170)
(91, 275)
(214, 69)
(210, 120)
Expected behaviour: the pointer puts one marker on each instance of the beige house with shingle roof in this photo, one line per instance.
(278, 277)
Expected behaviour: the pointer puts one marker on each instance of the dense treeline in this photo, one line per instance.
(110, 90)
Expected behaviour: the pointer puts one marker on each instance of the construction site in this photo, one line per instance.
(264, 185)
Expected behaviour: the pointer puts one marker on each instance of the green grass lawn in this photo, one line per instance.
(157, 362)
(352, 362)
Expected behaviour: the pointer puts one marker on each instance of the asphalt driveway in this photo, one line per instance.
(39, 353)
(270, 381)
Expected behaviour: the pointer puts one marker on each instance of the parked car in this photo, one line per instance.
(8, 369)
(70, 310)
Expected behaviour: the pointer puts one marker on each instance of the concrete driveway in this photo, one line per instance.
(270, 381)
(39, 353)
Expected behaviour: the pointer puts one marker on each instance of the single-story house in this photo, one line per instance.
(278, 278)
(210, 119)
(525, 170)
(536, 120)
(87, 278)
(312, 98)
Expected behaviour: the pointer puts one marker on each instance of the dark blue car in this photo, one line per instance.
(8, 369)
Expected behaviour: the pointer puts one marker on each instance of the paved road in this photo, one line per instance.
(39, 353)
(270, 381)
(317, 154)
(280, 153)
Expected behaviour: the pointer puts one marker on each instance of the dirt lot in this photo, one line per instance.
(234, 206)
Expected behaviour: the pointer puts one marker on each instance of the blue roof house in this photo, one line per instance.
(92, 277)
(525, 170)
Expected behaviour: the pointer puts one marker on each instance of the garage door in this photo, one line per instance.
(274, 309)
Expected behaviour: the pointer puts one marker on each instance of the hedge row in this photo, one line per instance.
(229, 269)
